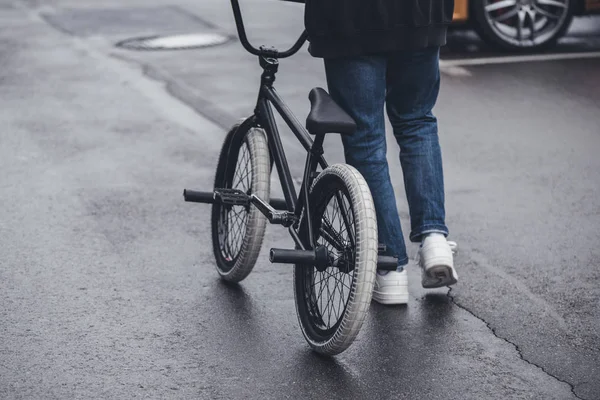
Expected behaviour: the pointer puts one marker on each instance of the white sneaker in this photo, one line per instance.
(391, 288)
(436, 262)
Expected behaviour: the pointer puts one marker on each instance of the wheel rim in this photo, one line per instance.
(234, 219)
(526, 23)
(328, 291)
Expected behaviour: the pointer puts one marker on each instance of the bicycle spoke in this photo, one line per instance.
(330, 289)
(344, 212)
(234, 219)
(328, 235)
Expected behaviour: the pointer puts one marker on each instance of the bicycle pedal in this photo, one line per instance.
(232, 197)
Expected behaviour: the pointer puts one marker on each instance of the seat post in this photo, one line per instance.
(317, 147)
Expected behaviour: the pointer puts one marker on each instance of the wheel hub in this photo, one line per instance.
(343, 261)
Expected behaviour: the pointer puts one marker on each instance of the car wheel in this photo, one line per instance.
(522, 25)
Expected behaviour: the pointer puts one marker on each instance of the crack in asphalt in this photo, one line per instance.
(516, 346)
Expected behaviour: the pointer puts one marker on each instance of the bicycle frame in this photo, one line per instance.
(264, 118)
(288, 211)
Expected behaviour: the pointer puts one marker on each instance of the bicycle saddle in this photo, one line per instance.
(326, 116)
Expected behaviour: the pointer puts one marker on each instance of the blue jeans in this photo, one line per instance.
(407, 83)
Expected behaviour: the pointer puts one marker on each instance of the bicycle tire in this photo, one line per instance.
(238, 231)
(337, 182)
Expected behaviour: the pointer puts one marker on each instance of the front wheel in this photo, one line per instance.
(332, 301)
(238, 230)
(522, 25)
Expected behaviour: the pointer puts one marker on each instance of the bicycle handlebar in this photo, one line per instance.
(239, 22)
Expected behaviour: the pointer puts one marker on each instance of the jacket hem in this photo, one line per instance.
(400, 39)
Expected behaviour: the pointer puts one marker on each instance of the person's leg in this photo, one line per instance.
(413, 82)
(358, 85)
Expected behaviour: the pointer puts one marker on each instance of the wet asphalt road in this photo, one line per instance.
(107, 283)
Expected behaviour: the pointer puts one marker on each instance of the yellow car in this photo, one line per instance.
(521, 24)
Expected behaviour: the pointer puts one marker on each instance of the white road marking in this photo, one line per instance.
(454, 71)
(517, 59)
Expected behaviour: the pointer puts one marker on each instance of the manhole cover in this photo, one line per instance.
(175, 42)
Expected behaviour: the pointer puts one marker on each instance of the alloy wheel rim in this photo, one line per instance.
(526, 23)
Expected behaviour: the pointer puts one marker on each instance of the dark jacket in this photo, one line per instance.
(338, 28)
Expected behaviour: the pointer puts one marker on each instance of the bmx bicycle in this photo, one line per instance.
(332, 220)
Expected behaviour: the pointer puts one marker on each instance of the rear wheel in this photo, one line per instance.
(332, 301)
(522, 25)
(238, 230)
